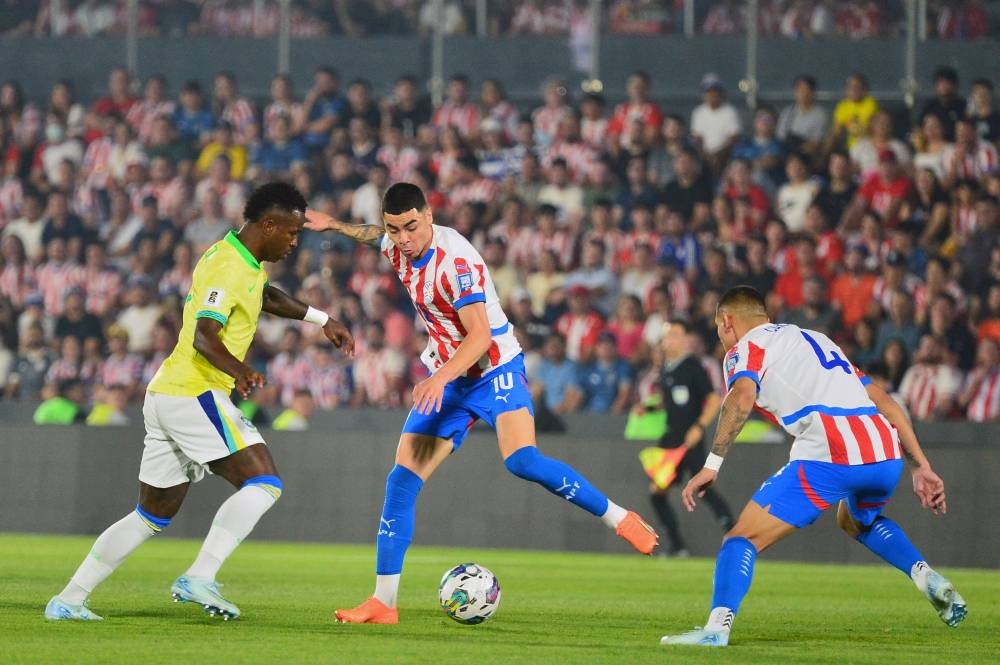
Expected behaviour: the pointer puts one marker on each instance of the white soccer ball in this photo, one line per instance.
(469, 593)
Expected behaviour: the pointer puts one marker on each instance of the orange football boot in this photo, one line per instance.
(638, 534)
(372, 610)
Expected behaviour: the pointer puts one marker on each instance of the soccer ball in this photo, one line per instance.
(469, 593)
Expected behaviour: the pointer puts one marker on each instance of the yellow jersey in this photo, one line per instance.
(227, 285)
(854, 117)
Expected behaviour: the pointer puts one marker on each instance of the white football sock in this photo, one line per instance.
(386, 589)
(919, 574)
(234, 522)
(614, 514)
(109, 550)
(721, 618)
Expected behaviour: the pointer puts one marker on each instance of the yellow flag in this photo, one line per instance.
(660, 464)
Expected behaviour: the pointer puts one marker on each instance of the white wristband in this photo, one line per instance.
(714, 462)
(316, 316)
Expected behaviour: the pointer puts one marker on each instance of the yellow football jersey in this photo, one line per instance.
(228, 286)
(854, 116)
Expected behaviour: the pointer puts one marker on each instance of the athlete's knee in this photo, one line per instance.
(846, 521)
(155, 523)
(270, 484)
(523, 462)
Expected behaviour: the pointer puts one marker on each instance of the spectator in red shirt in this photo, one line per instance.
(638, 107)
(788, 288)
(883, 192)
(119, 99)
(580, 326)
(851, 291)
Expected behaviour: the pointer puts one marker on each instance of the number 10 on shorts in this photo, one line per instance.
(503, 382)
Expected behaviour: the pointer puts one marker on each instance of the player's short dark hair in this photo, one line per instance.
(192, 87)
(401, 197)
(743, 299)
(273, 195)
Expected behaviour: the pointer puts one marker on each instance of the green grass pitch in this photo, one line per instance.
(556, 608)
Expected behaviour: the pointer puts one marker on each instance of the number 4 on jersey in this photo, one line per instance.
(835, 360)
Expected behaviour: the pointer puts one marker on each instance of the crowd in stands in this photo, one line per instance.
(599, 222)
(793, 19)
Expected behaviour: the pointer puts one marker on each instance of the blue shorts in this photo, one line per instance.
(465, 400)
(802, 489)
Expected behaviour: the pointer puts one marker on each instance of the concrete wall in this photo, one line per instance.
(78, 480)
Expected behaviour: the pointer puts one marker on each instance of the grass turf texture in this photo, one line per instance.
(556, 607)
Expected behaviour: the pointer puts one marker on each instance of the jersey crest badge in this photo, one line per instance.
(464, 273)
(731, 361)
(214, 297)
(680, 394)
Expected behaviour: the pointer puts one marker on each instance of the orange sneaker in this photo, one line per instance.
(372, 610)
(639, 534)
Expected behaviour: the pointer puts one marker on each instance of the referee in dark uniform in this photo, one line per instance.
(691, 404)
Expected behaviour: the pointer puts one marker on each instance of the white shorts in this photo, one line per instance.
(184, 434)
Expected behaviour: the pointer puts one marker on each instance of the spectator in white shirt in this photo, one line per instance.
(715, 124)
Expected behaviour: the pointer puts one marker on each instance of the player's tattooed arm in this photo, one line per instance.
(369, 234)
(734, 413)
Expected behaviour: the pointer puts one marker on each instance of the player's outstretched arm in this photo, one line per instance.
(208, 344)
(735, 410)
(281, 304)
(370, 234)
(927, 485)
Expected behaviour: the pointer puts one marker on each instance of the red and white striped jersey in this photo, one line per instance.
(594, 132)
(120, 370)
(402, 163)
(17, 282)
(143, 114)
(11, 196)
(481, 190)
(54, 279)
(450, 275)
(580, 158)
(975, 164)
(806, 385)
(925, 387)
(985, 404)
(241, 116)
(546, 120)
(104, 285)
(463, 117)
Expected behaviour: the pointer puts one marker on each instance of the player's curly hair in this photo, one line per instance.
(279, 195)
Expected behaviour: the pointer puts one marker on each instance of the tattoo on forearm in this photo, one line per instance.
(731, 419)
(370, 234)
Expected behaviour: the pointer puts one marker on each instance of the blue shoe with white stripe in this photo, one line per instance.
(701, 637)
(204, 592)
(60, 610)
(946, 600)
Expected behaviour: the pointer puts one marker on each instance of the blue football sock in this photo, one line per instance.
(886, 539)
(395, 530)
(557, 477)
(733, 573)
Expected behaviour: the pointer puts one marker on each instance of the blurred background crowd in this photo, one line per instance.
(599, 219)
(795, 19)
